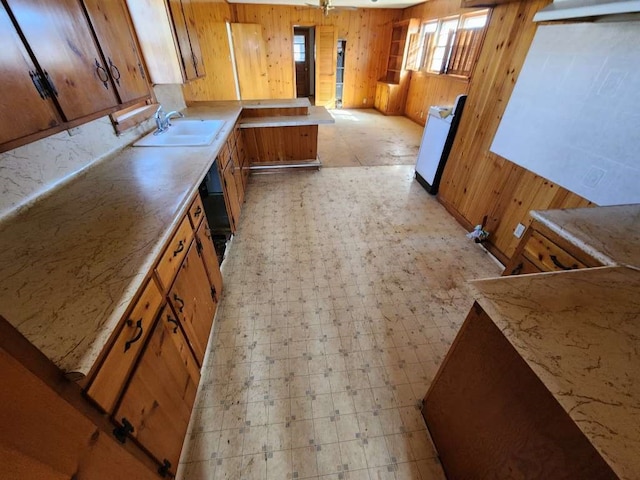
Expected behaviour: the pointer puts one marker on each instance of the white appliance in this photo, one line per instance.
(437, 140)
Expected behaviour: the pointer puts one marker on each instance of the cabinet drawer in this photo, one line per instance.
(196, 212)
(108, 382)
(547, 256)
(172, 257)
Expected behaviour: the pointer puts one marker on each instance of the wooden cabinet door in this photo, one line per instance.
(160, 395)
(60, 37)
(192, 299)
(209, 257)
(19, 92)
(111, 24)
(230, 195)
(184, 25)
(326, 60)
(237, 174)
(45, 437)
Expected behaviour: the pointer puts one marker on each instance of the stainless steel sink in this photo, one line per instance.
(183, 133)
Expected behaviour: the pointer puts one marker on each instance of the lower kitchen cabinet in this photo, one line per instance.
(44, 434)
(194, 301)
(231, 196)
(209, 257)
(158, 400)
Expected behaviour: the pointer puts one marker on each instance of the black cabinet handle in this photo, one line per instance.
(177, 299)
(517, 269)
(197, 212)
(170, 319)
(121, 432)
(115, 73)
(50, 83)
(195, 60)
(141, 69)
(557, 263)
(37, 82)
(137, 336)
(179, 249)
(103, 76)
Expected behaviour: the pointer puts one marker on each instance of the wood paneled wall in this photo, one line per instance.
(426, 89)
(367, 32)
(477, 183)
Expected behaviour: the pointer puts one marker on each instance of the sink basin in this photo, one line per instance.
(184, 133)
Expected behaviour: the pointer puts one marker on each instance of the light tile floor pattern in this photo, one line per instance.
(344, 289)
(368, 138)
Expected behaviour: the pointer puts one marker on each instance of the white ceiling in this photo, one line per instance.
(339, 3)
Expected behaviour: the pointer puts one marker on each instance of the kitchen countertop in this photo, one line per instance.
(609, 234)
(72, 262)
(579, 332)
(316, 116)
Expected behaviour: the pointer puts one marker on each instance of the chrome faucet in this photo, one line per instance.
(163, 121)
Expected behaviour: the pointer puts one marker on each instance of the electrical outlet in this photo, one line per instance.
(519, 230)
(364, 101)
(593, 177)
(73, 131)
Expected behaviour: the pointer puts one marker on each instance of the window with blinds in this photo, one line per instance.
(450, 45)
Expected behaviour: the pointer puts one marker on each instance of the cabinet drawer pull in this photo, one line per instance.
(103, 76)
(179, 249)
(177, 299)
(50, 83)
(115, 73)
(170, 319)
(197, 212)
(557, 263)
(137, 336)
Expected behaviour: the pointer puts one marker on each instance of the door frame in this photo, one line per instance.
(310, 53)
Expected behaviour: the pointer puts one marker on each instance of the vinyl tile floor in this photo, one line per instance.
(368, 138)
(344, 288)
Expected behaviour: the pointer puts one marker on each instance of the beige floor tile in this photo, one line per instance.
(344, 289)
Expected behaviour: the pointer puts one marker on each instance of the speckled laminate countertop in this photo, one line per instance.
(609, 234)
(579, 332)
(72, 262)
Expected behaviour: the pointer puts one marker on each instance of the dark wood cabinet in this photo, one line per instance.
(26, 105)
(161, 393)
(110, 21)
(187, 38)
(209, 258)
(194, 301)
(61, 40)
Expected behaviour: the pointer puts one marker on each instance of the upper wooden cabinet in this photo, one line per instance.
(27, 106)
(124, 63)
(60, 38)
(64, 64)
(168, 38)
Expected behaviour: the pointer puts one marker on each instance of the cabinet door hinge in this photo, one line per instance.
(163, 469)
(199, 247)
(125, 429)
(214, 294)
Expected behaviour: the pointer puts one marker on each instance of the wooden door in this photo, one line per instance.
(251, 60)
(160, 395)
(188, 60)
(45, 437)
(19, 91)
(64, 47)
(209, 257)
(301, 58)
(326, 59)
(193, 301)
(111, 25)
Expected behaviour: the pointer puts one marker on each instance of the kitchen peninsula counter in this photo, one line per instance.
(72, 261)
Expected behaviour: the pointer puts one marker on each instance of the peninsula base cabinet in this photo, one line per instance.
(490, 416)
(148, 380)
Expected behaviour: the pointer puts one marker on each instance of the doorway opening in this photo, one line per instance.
(342, 47)
(304, 62)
